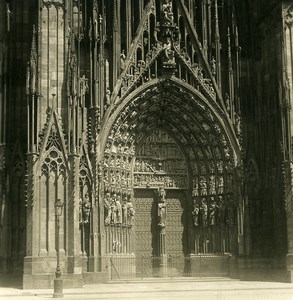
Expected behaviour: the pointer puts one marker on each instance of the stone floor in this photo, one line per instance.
(173, 289)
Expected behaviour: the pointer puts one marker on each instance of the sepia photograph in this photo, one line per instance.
(145, 149)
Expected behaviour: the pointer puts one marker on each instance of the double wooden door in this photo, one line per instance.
(147, 230)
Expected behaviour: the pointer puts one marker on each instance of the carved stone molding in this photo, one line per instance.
(288, 15)
(56, 3)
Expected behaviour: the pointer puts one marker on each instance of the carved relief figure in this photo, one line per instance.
(220, 185)
(203, 186)
(167, 11)
(162, 206)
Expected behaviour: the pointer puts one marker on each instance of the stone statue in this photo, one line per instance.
(185, 55)
(221, 210)
(220, 185)
(227, 102)
(108, 98)
(86, 205)
(213, 211)
(195, 188)
(162, 206)
(167, 11)
(212, 185)
(213, 66)
(195, 212)
(122, 60)
(113, 211)
(118, 210)
(169, 53)
(107, 208)
(203, 186)
(130, 213)
(124, 211)
(237, 125)
(220, 166)
(204, 211)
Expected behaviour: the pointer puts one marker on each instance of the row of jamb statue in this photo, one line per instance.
(208, 212)
(117, 213)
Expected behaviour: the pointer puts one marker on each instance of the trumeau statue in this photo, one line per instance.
(162, 207)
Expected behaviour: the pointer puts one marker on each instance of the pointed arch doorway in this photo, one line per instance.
(160, 201)
(168, 146)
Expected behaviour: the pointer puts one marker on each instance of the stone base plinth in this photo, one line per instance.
(263, 269)
(39, 272)
(94, 278)
(209, 265)
(46, 281)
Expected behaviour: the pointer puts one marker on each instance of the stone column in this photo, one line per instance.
(74, 250)
(3, 105)
(286, 98)
(162, 210)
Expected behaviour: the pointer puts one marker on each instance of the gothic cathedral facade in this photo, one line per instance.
(163, 126)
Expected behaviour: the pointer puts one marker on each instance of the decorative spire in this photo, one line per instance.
(115, 15)
(32, 66)
(229, 51)
(218, 46)
(217, 34)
